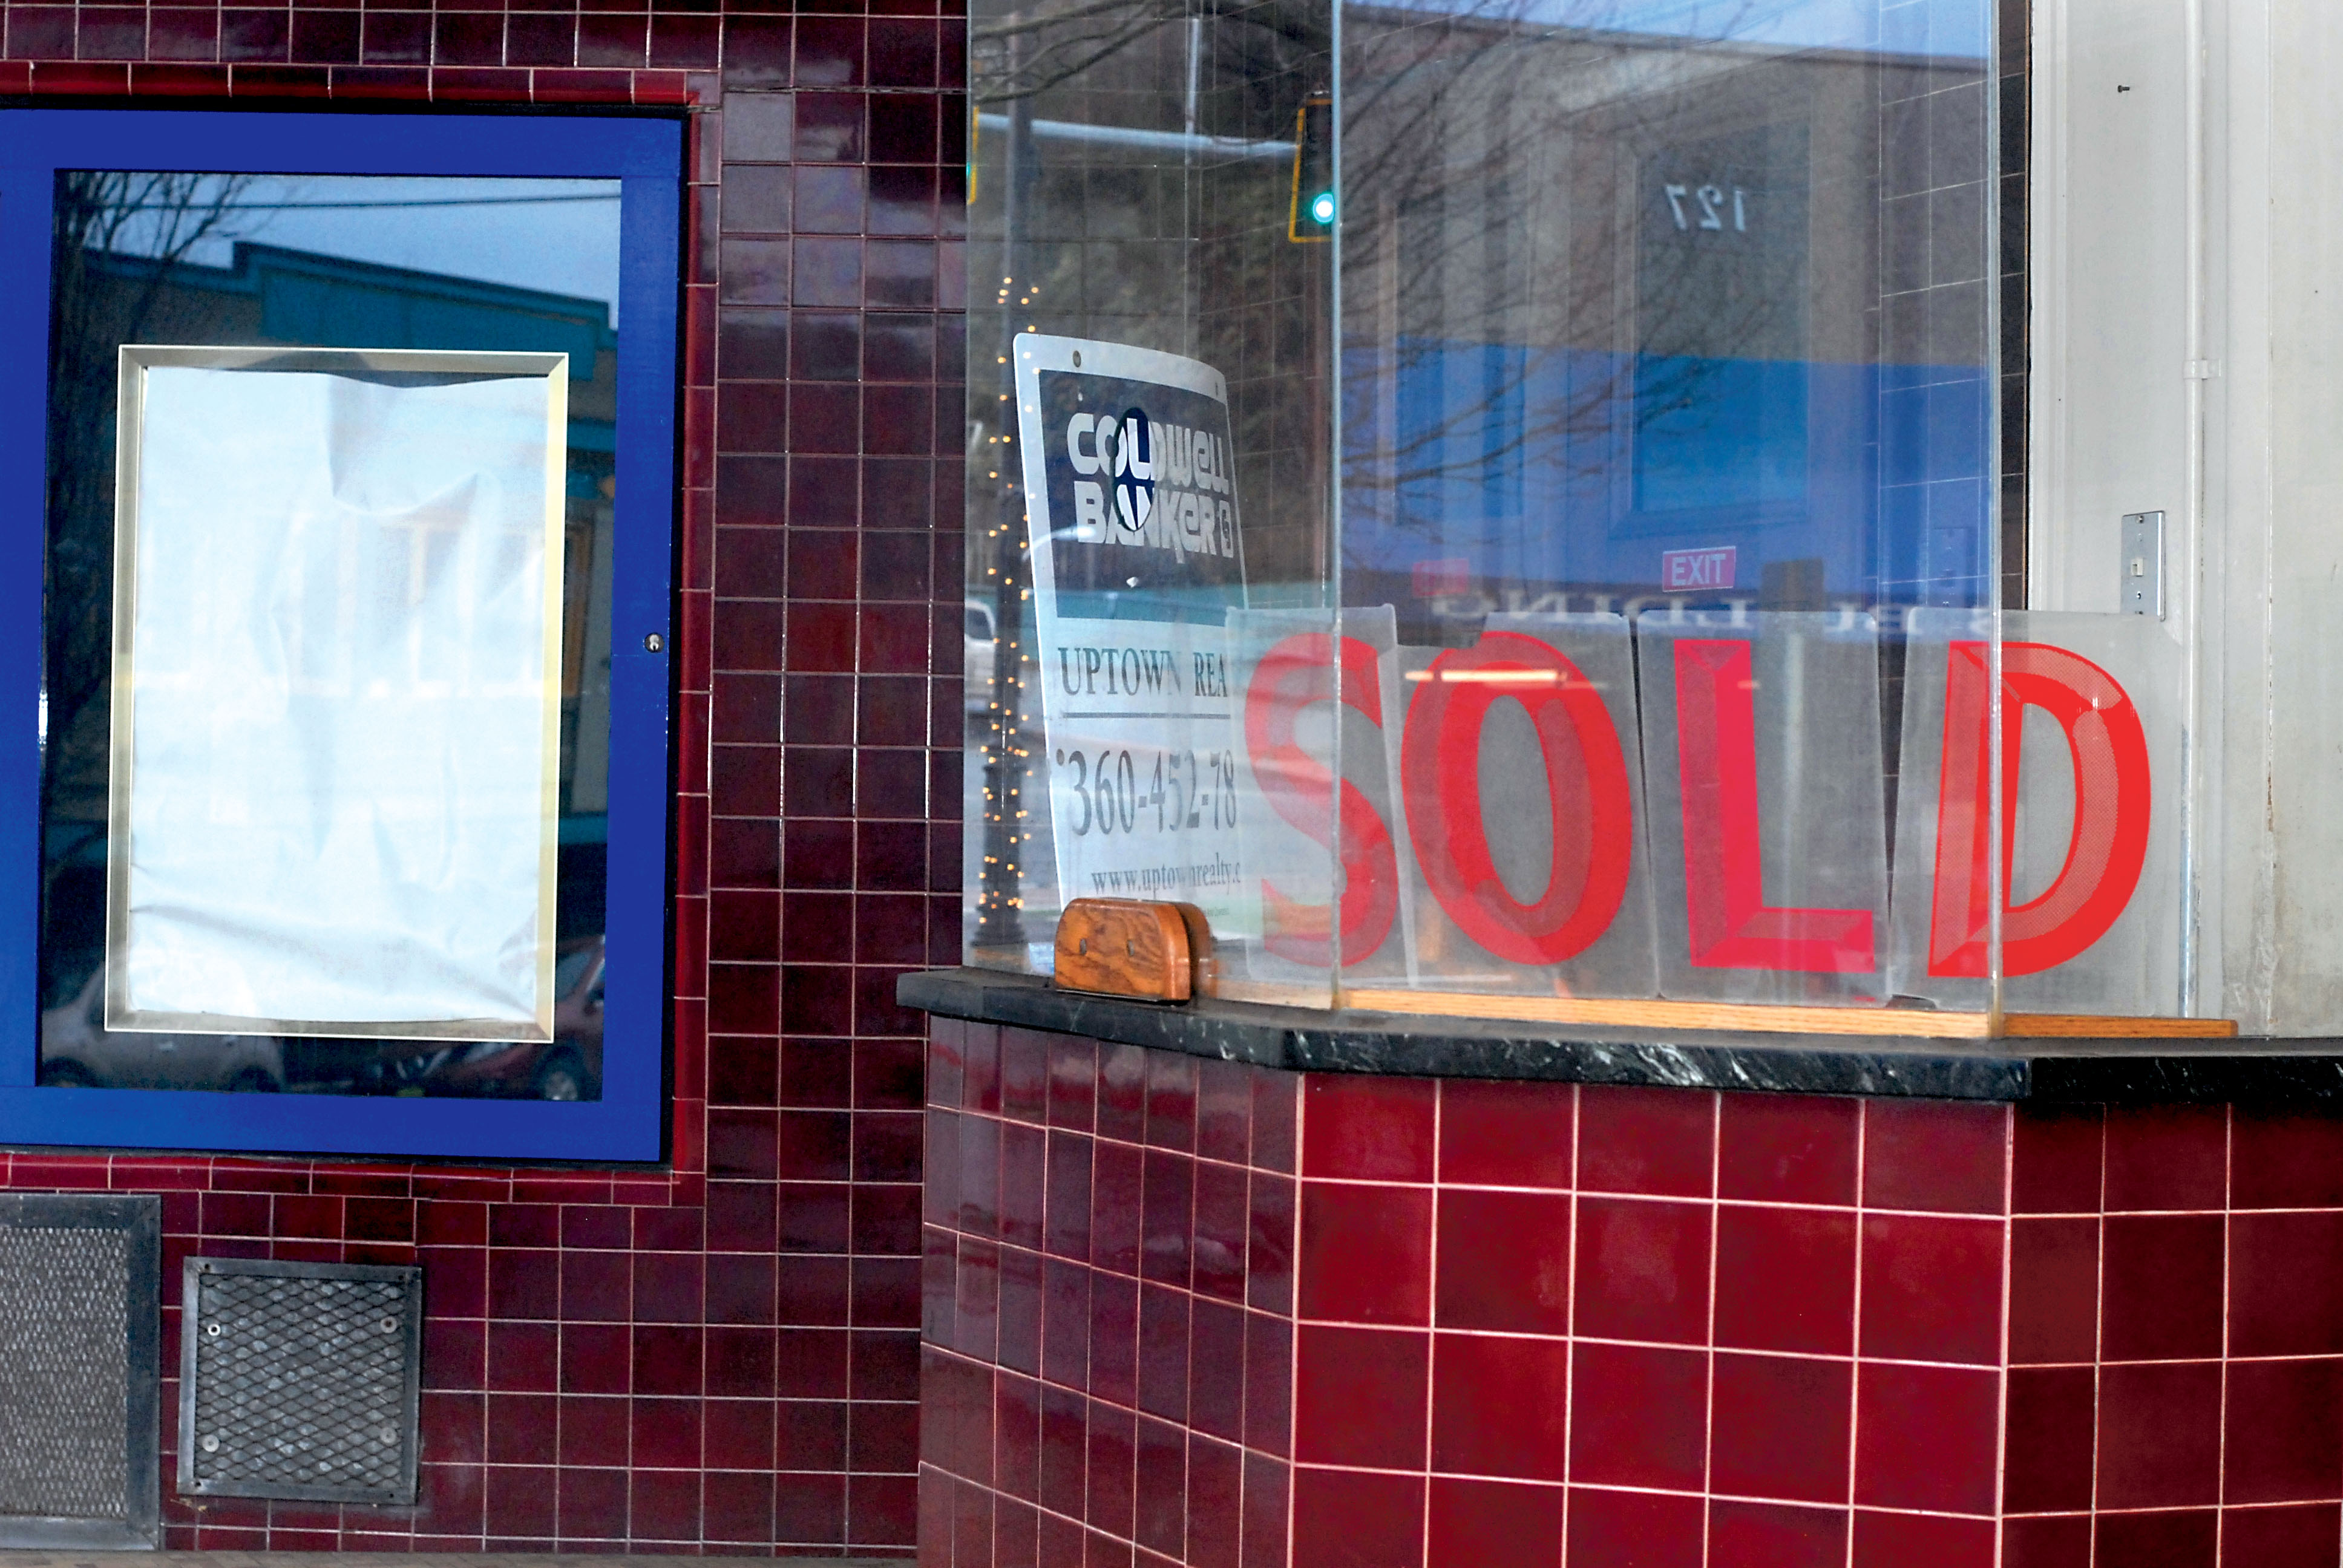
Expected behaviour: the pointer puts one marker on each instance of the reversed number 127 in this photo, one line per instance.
(1709, 207)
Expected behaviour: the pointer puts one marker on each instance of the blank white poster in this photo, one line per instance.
(336, 770)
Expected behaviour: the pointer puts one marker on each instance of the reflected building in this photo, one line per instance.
(275, 295)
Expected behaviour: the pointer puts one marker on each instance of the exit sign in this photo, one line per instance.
(1708, 569)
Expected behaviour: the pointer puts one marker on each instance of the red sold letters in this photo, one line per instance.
(1299, 788)
(1724, 902)
(2109, 844)
(1593, 813)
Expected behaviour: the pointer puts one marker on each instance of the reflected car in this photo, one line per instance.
(567, 1067)
(77, 1051)
(979, 639)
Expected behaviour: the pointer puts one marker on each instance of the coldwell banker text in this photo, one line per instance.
(1171, 485)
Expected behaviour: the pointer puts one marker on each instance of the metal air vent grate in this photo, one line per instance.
(300, 1380)
(77, 1370)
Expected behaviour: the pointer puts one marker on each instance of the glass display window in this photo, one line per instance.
(343, 497)
(1501, 507)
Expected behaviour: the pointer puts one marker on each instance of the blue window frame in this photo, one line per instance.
(644, 155)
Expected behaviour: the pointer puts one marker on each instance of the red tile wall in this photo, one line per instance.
(723, 1356)
(2176, 1338)
(1107, 1339)
(1536, 1324)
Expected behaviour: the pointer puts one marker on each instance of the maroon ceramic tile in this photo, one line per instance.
(1932, 1288)
(1493, 1524)
(1270, 1243)
(1655, 1141)
(1268, 1490)
(2160, 1286)
(1073, 1082)
(1786, 1279)
(1162, 1494)
(1216, 1369)
(2159, 1435)
(1062, 1465)
(1223, 1111)
(1366, 1254)
(1503, 1261)
(2053, 1282)
(1118, 1192)
(1171, 1090)
(1920, 1541)
(1367, 1129)
(1932, 1154)
(1499, 1405)
(1778, 1428)
(1065, 1324)
(2286, 1283)
(1020, 1342)
(1651, 1530)
(1506, 1134)
(2049, 1437)
(1067, 1184)
(1223, 1220)
(2055, 1161)
(1268, 1383)
(1359, 1397)
(1925, 1437)
(1775, 1534)
(1168, 1218)
(1787, 1148)
(2051, 1543)
(2283, 1439)
(1347, 1519)
(1163, 1327)
(1024, 1069)
(1121, 1094)
(1642, 1271)
(1214, 1513)
(1638, 1416)
(2166, 1157)
(1111, 1468)
(2286, 1158)
(2297, 1537)
(1024, 1170)
(1114, 1338)
(2183, 1539)
(1276, 1120)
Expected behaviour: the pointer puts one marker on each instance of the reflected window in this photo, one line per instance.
(381, 268)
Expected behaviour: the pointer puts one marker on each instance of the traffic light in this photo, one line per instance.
(1313, 214)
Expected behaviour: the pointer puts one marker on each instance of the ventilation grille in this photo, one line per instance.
(298, 1381)
(63, 1381)
(78, 1370)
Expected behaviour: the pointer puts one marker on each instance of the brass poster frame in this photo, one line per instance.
(135, 360)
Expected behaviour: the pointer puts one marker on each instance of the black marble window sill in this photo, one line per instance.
(2073, 1071)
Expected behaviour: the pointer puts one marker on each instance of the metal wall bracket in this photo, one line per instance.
(2141, 589)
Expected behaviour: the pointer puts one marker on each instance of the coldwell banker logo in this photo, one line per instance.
(1134, 473)
(1170, 487)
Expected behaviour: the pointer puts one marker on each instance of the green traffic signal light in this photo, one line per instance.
(1312, 216)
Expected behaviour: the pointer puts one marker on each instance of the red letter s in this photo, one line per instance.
(1290, 678)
